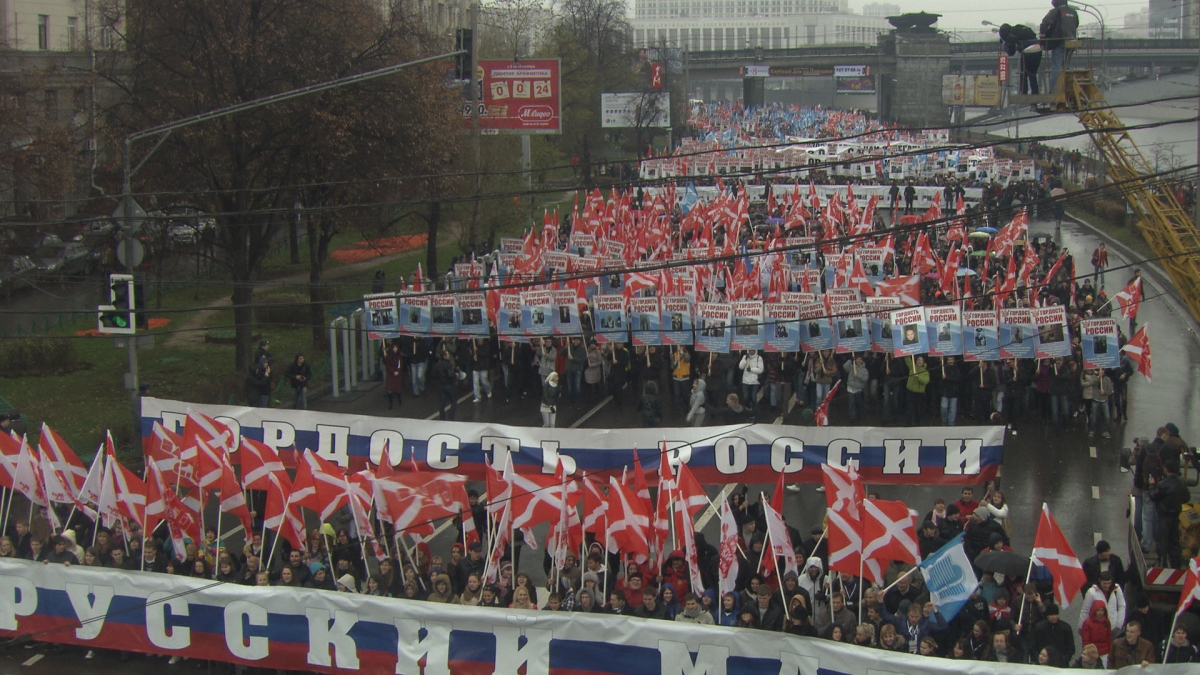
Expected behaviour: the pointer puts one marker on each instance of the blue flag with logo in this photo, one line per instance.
(690, 197)
(949, 578)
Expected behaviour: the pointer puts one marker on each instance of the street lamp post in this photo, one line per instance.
(163, 131)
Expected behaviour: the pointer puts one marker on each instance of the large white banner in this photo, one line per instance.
(323, 631)
(750, 453)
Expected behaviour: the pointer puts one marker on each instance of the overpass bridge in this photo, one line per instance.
(905, 68)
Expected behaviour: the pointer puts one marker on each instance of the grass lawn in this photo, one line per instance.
(81, 405)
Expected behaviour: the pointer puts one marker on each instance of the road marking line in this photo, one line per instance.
(461, 400)
(710, 512)
(587, 415)
(1095, 492)
(1096, 537)
(34, 659)
(1092, 452)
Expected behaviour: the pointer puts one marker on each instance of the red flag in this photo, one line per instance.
(628, 522)
(213, 432)
(1191, 587)
(889, 533)
(162, 504)
(844, 498)
(781, 543)
(122, 495)
(233, 500)
(165, 448)
(907, 289)
(1138, 349)
(10, 452)
(595, 508)
(858, 279)
(27, 479)
(318, 486)
(1129, 298)
(281, 514)
(535, 498)
(1050, 548)
(822, 414)
(63, 459)
(258, 461)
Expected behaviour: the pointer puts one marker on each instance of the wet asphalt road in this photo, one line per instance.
(1078, 477)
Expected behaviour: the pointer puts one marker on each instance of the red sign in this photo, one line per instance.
(656, 75)
(1002, 67)
(519, 98)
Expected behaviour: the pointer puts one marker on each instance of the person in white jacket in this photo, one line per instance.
(752, 367)
(1111, 595)
(812, 580)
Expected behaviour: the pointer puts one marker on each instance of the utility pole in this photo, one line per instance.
(476, 101)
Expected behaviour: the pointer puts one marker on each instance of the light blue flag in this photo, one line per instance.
(949, 578)
(690, 197)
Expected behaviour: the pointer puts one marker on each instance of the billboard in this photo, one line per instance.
(971, 90)
(519, 98)
(853, 80)
(635, 110)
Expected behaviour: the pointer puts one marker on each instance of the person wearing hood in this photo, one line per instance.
(1107, 591)
(1096, 630)
(347, 584)
(696, 403)
(692, 612)
(585, 601)
(669, 599)
(791, 589)
(675, 572)
(550, 391)
(442, 590)
(650, 608)
(810, 582)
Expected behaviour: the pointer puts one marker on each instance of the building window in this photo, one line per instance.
(72, 33)
(43, 31)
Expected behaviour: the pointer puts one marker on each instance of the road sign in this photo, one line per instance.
(139, 253)
(133, 219)
(519, 98)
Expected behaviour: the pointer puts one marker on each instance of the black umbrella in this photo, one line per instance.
(1003, 562)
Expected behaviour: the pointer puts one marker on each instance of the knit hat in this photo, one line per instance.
(981, 513)
(347, 581)
(314, 567)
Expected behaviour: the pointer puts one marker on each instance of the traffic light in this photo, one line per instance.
(117, 317)
(463, 40)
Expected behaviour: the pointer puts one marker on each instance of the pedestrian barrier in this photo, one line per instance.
(339, 325)
(356, 361)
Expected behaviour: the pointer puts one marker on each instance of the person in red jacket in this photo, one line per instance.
(675, 572)
(1096, 629)
(967, 504)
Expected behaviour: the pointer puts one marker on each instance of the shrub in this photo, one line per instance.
(38, 356)
(284, 311)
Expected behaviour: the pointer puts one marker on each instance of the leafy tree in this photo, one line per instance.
(328, 150)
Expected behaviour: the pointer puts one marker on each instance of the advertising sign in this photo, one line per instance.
(756, 70)
(634, 110)
(853, 80)
(519, 98)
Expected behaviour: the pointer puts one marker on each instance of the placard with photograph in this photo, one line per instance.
(908, 332)
(1100, 341)
(610, 318)
(1017, 334)
(383, 315)
(783, 327)
(981, 335)
(880, 310)
(816, 330)
(677, 320)
(852, 332)
(714, 327)
(748, 326)
(414, 314)
(537, 313)
(1053, 333)
(472, 314)
(944, 324)
(645, 315)
(441, 315)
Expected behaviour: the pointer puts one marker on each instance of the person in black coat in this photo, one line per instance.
(1104, 559)
(1053, 632)
(1016, 40)
(768, 610)
(930, 540)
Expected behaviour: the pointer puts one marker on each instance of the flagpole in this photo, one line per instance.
(142, 562)
(217, 549)
(860, 584)
(287, 505)
(6, 501)
(99, 517)
(899, 578)
(1028, 574)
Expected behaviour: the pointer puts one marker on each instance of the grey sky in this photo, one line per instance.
(966, 15)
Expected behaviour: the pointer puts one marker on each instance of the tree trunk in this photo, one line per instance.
(243, 317)
(294, 240)
(434, 221)
(319, 239)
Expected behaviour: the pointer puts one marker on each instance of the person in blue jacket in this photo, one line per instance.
(914, 623)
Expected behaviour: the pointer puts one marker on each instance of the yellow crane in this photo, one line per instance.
(1164, 224)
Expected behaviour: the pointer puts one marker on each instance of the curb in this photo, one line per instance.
(1150, 269)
